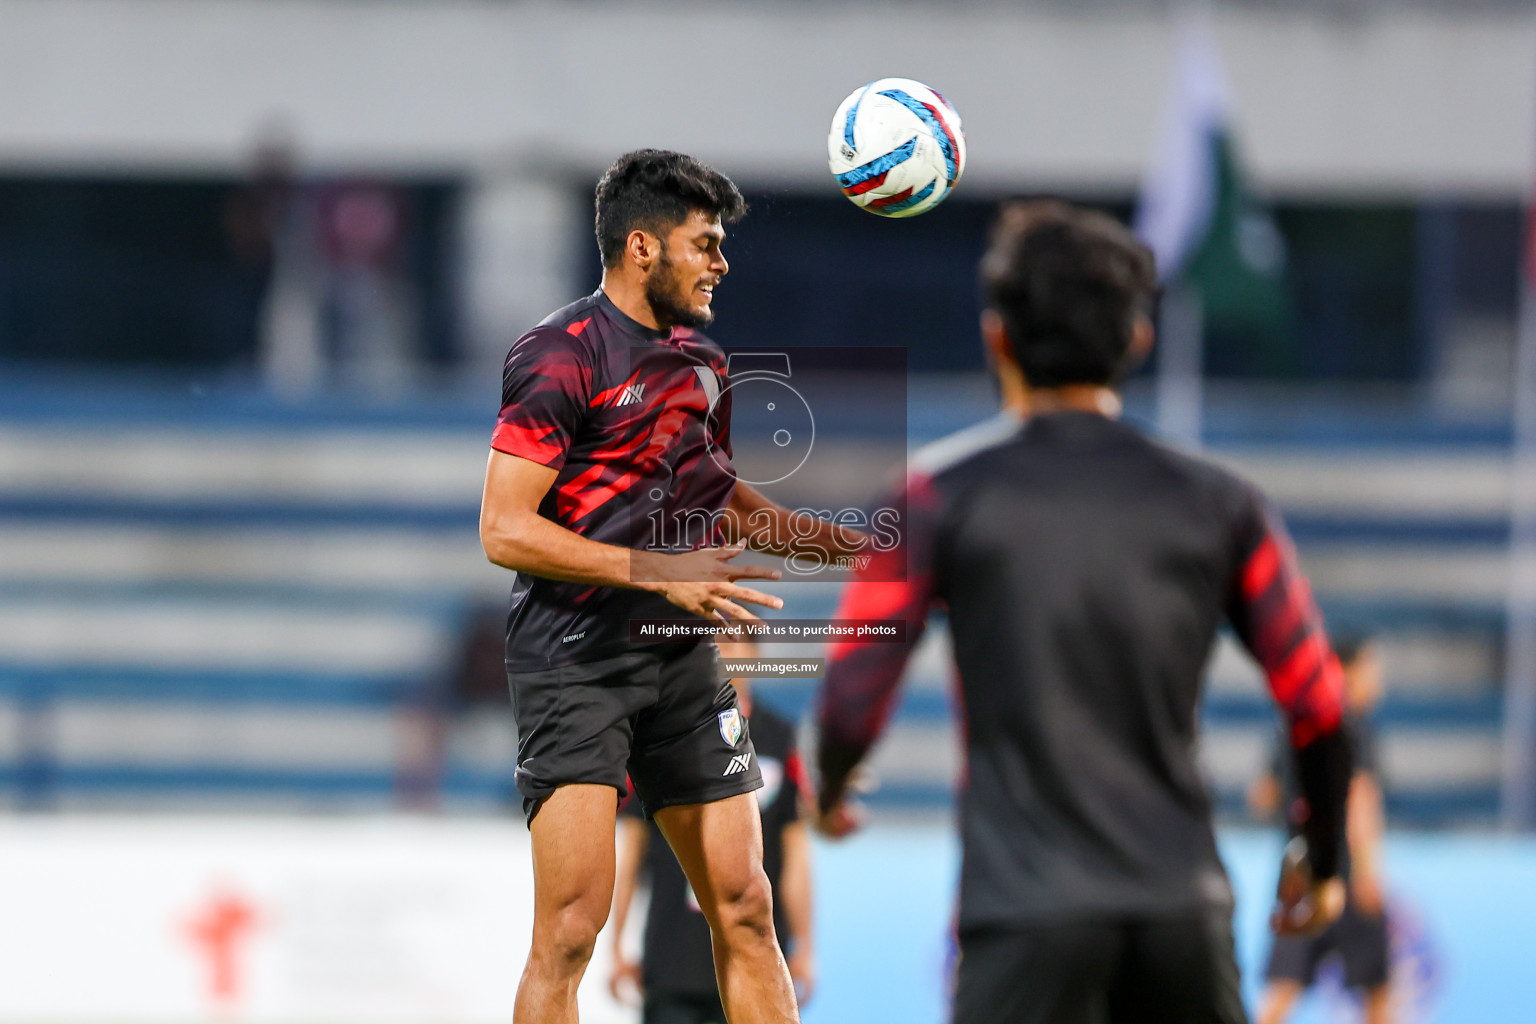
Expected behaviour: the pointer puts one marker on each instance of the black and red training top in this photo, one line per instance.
(1085, 570)
(637, 422)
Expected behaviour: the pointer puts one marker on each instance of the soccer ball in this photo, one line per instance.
(895, 147)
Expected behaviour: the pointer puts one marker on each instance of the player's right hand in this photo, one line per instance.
(703, 583)
(624, 980)
(841, 820)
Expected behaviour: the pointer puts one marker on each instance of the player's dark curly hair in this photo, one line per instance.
(655, 190)
(1069, 284)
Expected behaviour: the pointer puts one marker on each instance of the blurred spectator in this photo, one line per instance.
(273, 218)
(326, 264)
(367, 313)
(476, 680)
(252, 221)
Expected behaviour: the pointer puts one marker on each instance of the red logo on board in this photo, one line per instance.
(219, 931)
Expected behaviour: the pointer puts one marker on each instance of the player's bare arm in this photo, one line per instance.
(858, 693)
(516, 537)
(1364, 825)
(795, 891)
(633, 839)
(1264, 796)
(765, 525)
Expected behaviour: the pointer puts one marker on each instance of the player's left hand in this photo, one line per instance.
(1321, 905)
(802, 971)
(624, 980)
(1304, 905)
(841, 820)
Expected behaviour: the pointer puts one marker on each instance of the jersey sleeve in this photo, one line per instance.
(798, 780)
(859, 692)
(1272, 610)
(546, 385)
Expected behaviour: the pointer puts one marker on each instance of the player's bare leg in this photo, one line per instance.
(573, 866)
(1378, 1005)
(1278, 998)
(720, 847)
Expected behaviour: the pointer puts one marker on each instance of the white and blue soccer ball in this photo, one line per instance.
(896, 148)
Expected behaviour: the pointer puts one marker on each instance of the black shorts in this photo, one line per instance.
(663, 715)
(1359, 939)
(1093, 970)
(672, 1008)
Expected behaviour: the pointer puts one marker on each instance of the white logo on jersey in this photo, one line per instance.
(632, 394)
(710, 383)
(739, 763)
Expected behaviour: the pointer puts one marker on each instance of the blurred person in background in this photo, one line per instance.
(323, 262)
(474, 684)
(1085, 570)
(1359, 937)
(368, 313)
(276, 217)
(676, 974)
(254, 220)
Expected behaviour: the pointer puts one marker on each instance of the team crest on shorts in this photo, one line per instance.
(730, 726)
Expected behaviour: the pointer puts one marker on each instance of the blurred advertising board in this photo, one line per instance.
(189, 920)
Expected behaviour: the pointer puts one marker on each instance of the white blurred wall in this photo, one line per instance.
(1379, 99)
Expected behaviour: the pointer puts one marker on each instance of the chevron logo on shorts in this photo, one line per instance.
(739, 763)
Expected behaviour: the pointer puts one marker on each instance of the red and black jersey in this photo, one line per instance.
(637, 422)
(1085, 570)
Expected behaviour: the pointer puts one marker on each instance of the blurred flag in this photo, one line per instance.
(1211, 234)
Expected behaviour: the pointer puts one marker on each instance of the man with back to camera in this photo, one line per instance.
(1085, 570)
(614, 413)
(1360, 936)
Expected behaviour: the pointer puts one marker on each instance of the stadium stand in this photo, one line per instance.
(221, 601)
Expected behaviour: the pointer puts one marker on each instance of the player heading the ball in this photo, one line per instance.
(606, 413)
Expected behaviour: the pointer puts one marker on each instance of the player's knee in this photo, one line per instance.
(572, 936)
(745, 910)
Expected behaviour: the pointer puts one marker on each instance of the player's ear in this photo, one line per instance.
(1143, 337)
(642, 248)
(994, 335)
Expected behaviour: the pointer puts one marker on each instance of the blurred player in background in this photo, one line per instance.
(612, 411)
(1085, 570)
(1359, 936)
(676, 972)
